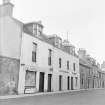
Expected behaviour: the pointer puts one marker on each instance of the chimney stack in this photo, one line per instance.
(6, 9)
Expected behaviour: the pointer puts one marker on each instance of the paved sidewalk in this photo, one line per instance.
(43, 93)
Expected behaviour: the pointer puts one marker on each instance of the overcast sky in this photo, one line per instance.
(82, 19)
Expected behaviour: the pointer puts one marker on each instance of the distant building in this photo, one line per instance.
(86, 70)
(91, 76)
(33, 61)
(103, 66)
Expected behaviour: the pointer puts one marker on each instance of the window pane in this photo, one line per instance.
(34, 47)
(74, 66)
(30, 79)
(60, 62)
(67, 64)
(49, 57)
(34, 56)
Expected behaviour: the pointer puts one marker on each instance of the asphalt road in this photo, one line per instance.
(90, 97)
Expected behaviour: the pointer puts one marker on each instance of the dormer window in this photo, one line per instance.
(34, 29)
(37, 28)
(72, 50)
(58, 42)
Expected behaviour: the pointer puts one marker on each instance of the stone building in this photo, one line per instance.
(31, 61)
(86, 70)
(103, 66)
(91, 75)
(10, 44)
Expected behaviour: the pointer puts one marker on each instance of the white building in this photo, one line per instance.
(37, 62)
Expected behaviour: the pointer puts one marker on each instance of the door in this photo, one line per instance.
(93, 84)
(41, 82)
(71, 83)
(49, 82)
(60, 83)
(68, 83)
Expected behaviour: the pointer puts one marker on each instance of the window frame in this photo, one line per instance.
(68, 63)
(34, 52)
(74, 67)
(49, 57)
(60, 62)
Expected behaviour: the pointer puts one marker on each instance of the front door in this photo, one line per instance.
(71, 83)
(49, 82)
(41, 82)
(68, 83)
(60, 83)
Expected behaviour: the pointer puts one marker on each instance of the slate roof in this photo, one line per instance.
(46, 39)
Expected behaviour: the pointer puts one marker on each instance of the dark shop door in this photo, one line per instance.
(71, 83)
(68, 83)
(49, 82)
(41, 82)
(60, 83)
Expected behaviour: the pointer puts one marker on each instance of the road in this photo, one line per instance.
(90, 97)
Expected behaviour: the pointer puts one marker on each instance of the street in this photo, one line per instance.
(88, 97)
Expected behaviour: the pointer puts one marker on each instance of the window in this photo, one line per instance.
(82, 81)
(60, 62)
(39, 32)
(34, 29)
(49, 57)
(67, 65)
(30, 79)
(74, 66)
(89, 72)
(34, 52)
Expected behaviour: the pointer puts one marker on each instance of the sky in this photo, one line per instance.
(83, 20)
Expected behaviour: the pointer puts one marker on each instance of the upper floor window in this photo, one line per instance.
(99, 75)
(39, 32)
(82, 81)
(35, 29)
(90, 72)
(74, 66)
(34, 51)
(60, 60)
(67, 65)
(49, 57)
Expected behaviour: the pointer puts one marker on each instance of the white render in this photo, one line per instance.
(14, 43)
(42, 64)
(10, 37)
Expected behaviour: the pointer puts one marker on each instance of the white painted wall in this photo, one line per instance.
(42, 61)
(10, 37)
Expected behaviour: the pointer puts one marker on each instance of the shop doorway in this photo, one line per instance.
(49, 82)
(60, 83)
(41, 82)
(71, 83)
(68, 83)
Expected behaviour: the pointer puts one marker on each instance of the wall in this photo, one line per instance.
(10, 37)
(9, 69)
(10, 45)
(42, 61)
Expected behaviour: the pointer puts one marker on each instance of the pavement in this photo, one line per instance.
(82, 97)
(39, 94)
